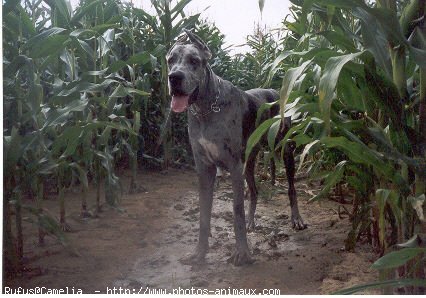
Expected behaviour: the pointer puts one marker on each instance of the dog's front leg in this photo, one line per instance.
(241, 255)
(206, 178)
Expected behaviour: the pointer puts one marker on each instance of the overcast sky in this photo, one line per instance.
(235, 18)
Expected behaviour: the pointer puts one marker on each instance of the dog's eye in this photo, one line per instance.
(194, 61)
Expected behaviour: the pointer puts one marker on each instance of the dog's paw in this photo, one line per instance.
(197, 257)
(241, 257)
(66, 227)
(297, 222)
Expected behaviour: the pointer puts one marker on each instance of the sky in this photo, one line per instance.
(235, 18)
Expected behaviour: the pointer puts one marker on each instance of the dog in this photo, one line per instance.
(221, 118)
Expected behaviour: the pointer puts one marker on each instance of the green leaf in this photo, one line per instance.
(264, 107)
(336, 38)
(84, 47)
(375, 40)
(68, 139)
(139, 92)
(178, 8)
(120, 91)
(349, 93)
(301, 139)
(331, 180)
(328, 83)
(398, 258)
(384, 93)
(50, 46)
(384, 196)
(306, 150)
(63, 7)
(277, 61)
(84, 86)
(272, 134)
(257, 135)
(18, 22)
(289, 79)
(139, 59)
(86, 9)
(390, 25)
(299, 128)
(359, 153)
(58, 116)
(40, 38)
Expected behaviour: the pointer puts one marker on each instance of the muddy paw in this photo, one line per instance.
(65, 227)
(241, 257)
(198, 257)
(297, 223)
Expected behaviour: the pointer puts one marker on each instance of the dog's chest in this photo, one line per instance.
(209, 148)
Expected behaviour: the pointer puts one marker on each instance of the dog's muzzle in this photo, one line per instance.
(180, 99)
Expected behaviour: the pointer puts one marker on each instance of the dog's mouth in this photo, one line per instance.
(181, 101)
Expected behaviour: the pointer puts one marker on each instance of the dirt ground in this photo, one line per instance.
(138, 245)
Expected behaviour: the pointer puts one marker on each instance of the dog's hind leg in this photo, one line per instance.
(251, 182)
(206, 179)
(289, 163)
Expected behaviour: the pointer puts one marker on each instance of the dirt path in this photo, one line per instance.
(140, 244)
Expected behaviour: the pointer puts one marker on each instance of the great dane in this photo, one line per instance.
(221, 118)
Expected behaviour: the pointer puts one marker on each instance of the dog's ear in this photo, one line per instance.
(181, 40)
(199, 43)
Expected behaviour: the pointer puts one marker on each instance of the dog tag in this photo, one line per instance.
(215, 108)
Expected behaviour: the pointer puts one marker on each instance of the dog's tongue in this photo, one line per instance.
(179, 103)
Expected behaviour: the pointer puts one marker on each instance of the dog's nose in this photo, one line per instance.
(176, 77)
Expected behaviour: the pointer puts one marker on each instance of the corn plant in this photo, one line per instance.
(354, 87)
(75, 102)
(63, 99)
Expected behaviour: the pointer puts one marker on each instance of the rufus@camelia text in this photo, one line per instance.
(42, 290)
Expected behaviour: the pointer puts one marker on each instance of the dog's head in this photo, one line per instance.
(187, 66)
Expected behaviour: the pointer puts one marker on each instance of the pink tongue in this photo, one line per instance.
(179, 103)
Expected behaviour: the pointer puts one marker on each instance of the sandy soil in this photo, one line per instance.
(137, 246)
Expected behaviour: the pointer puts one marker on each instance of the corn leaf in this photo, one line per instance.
(398, 258)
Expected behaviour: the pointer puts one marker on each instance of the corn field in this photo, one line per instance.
(85, 94)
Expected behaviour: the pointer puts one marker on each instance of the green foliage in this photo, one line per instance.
(396, 259)
(352, 87)
(80, 87)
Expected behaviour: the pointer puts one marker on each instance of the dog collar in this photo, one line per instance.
(214, 107)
